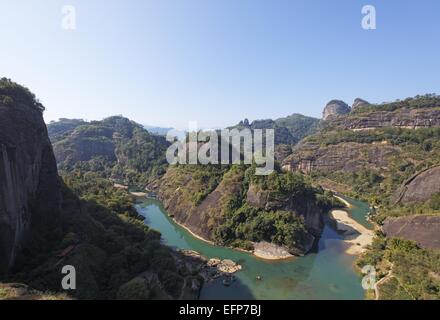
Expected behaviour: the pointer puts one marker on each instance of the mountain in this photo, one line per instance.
(116, 147)
(232, 206)
(29, 184)
(375, 148)
(389, 155)
(164, 131)
(47, 222)
(288, 130)
(57, 129)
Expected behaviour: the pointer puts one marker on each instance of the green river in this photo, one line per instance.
(325, 273)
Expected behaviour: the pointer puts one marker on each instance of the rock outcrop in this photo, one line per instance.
(401, 118)
(19, 291)
(179, 188)
(204, 217)
(420, 187)
(358, 102)
(422, 229)
(334, 109)
(349, 157)
(29, 183)
(265, 200)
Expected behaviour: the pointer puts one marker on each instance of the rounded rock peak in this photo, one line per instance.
(335, 108)
(358, 102)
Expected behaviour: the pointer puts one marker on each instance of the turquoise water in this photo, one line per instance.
(326, 273)
(358, 211)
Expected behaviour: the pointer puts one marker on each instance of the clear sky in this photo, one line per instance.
(166, 62)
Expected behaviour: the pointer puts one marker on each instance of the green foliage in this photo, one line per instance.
(58, 130)
(12, 93)
(245, 223)
(134, 290)
(413, 273)
(434, 202)
(425, 137)
(420, 101)
(115, 148)
(288, 130)
(111, 244)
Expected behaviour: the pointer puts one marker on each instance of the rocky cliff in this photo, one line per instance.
(335, 108)
(422, 229)
(358, 103)
(29, 184)
(116, 146)
(348, 157)
(401, 118)
(218, 204)
(420, 187)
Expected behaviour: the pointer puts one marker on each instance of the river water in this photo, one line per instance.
(325, 273)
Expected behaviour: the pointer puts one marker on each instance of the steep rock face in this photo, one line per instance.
(348, 157)
(29, 183)
(288, 130)
(201, 218)
(334, 109)
(401, 118)
(120, 147)
(358, 102)
(420, 187)
(262, 199)
(313, 217)
(179, 188)
(421, 228)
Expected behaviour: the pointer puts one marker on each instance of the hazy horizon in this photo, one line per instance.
(165, 63)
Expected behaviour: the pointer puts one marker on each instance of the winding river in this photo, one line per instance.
(326, 273)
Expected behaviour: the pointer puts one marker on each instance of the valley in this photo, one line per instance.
(59, 205)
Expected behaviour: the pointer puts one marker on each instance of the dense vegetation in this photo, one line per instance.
(420, 101)
(221, 194)
(12, 93)
(111, 246)
(284, 224)
(411, 272)
(57, 130)
(288, 130)
(426, 137)
(115, 148)
(416, 150)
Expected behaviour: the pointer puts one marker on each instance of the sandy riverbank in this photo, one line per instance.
(355, 235)
(263, 250)
(192, 233)
(139, 194)
(347, 204)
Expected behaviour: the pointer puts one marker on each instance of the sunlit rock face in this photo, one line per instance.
(420, 187)
(334, 109)
(422, 229)
(29, 182)
(358, 102)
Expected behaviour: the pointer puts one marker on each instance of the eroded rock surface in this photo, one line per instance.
(29, 183)
(420, 187)
(423, 229)
(334, 109)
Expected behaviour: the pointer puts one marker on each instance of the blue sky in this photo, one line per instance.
(168, 62)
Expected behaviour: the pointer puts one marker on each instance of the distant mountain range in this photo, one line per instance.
(164, 131)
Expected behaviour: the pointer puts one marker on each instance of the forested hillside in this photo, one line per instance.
(82, 220)
(388, 155)
(115, 148)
